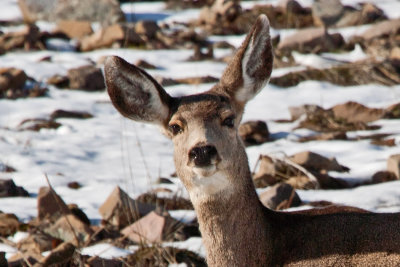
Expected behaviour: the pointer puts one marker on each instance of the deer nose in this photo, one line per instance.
(201, 155)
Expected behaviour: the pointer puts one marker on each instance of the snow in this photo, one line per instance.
(108, 151)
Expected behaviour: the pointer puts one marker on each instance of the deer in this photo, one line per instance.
(211, 161)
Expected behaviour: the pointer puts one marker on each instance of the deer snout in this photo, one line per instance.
(203, 156)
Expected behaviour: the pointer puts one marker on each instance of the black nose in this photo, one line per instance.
(202, 155)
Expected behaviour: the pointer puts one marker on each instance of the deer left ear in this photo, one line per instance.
(251, 67)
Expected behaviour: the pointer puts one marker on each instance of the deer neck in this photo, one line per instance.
(233, 226)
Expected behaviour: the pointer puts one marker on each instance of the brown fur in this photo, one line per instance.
(237, 229)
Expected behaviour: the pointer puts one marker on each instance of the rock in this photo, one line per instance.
(279, 197)
(315, 162)
(325, 181)
(12, 78)
(60, 113)
(163, 256)
(393, 165)
(197, 80)
(272, 171)
(393, 111)
(163, 81)
(74, 185)
(37, 243)
(9, 189)
(384, 142)
(165, 203)
(105, 11)
(6, 168)
(152, 228)
(9, 224)
(120, 210)
(145, 65)
(312, 40)
(58, 81)
(50, 205)
(254, 132)
(70, 229)
(24, 259)
(87, 78)
(27, 38)
(324, 137)
(220, 11)
(370, 13)
(383, 176)
(101, 262)
(199, 55)
(107, 37)
(297, 112)
(382, 29)
(357, 73)
(321, 120)
(147, 28)
(327, 12)
(74, 29)
(37, 124)
(75, 210)
(61, 255)
(300, 182)
(356, 112)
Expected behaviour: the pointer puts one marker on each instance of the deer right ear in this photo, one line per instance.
(134, 93)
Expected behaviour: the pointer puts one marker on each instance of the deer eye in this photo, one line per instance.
(175, 128)
(229, 122)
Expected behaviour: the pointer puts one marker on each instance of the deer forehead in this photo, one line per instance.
(203, 107)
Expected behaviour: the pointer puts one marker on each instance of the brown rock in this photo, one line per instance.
(311, 40)
(393, 111)
(254, 132)
(9, 189)
(105, 11)
(356, 112)
(61, 255)
(383, 176)
(148, 28)
(37, 243)
(6, 168)
(316, 162)
(23, 259)
(79, 214)
(152, 228)
(87, 78)
(324, 137)
(37, 125)
(300, 182)
(393, 165)
(166, 81)
(219, 12)
(384, 142)
(145, 65)
(165, 203)
(9, 224)
(280, 196)
(382, 29)
(74, 29)
(12, 78)
(59, 81)
(28, 38)
(197, 80)
(60, 113)
(272, 171)
(70, 229)
(120, 210)
(50, 205)
(3, 260)
(106, 37)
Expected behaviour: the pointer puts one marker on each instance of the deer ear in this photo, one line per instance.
(251, 67)
(134, 93)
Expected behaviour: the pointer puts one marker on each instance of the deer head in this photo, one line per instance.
(208, 152)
